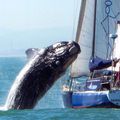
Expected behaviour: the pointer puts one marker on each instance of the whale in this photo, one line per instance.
(40, 73)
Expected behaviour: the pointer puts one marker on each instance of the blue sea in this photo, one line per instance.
(50, 107)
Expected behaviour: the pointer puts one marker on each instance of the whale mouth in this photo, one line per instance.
(74, 48)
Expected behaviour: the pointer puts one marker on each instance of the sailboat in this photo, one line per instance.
(94, 79)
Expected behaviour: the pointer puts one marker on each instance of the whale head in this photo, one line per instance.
(62, 54)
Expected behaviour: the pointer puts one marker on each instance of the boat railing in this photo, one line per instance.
(99, 83)
(94, 84)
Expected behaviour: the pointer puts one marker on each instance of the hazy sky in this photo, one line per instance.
(35, 23)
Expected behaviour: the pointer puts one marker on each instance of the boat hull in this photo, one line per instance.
(88, 99)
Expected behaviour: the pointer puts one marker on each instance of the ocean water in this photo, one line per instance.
(50, 107)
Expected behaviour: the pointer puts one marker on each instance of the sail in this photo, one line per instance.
(116, 51)
(85, 41)
(105, 24)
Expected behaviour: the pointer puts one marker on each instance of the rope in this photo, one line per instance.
(108, 4)
(108, 17)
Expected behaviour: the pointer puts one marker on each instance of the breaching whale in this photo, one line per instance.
(40, 73)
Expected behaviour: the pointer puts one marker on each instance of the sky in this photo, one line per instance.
(35, 24)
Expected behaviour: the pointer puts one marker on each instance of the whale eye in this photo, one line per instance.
(57, 63)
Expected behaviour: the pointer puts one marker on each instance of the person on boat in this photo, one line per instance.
(115, 61)
(116, 74)
(117, 80)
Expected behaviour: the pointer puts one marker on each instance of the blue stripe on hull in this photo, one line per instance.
(87, 100)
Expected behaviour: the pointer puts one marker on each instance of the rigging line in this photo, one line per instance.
(108, 10)
(108, 40)
(103, 25)
(108, 4)
(115, 16)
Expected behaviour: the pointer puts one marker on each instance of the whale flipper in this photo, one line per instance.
(31, 52)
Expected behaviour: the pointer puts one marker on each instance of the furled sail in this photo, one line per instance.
(97, 63)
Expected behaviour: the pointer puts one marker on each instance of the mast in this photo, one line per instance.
(94, 29)
(80, 19)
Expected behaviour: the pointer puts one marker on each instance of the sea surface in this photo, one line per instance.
(50, 107)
